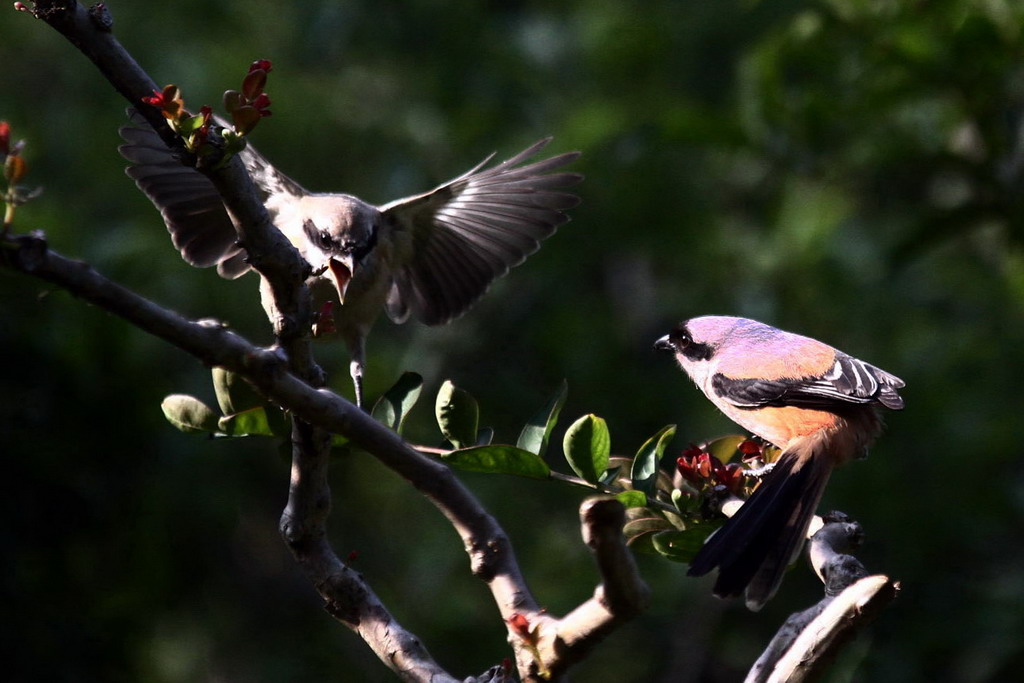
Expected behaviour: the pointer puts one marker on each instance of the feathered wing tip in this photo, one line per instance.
(188, 202)
(888, 384)
(473, 229)
(754, 547)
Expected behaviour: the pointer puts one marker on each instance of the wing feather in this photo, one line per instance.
(188, 202)
(468, 232)
(848, 381)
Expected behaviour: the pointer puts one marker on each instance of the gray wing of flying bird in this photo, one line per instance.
(189, 203)
(461, 236)
(432, 255)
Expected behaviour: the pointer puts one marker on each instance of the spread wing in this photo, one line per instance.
(466, 233)
(188, 202)
(848, 381)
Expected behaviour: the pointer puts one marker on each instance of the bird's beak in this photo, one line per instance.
(664, 344)
(341, 272)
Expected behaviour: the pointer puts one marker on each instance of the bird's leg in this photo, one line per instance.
(355, 368)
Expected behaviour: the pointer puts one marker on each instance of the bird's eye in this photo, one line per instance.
(681, 338)
(325, 238)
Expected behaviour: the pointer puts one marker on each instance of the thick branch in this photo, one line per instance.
(347, 595)
(268, 251)
(621, 595)
(490, 551)
(289, 379)
(810, 640)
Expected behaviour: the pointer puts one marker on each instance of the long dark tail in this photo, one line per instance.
(756, 545)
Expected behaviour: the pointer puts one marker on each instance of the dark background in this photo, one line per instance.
(850, 170)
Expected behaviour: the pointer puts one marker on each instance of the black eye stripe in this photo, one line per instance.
(684, 344)
(697, 351)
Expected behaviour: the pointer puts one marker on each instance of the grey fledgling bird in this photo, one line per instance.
(430, 255)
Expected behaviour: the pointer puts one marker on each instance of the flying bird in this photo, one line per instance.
(430, 256)
(816, 403)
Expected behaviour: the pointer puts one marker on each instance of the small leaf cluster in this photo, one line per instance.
(250, 104)
(670, 510)
(243, 412)
(246, 107)
(670, 513)
(14, 169)
(194, 130)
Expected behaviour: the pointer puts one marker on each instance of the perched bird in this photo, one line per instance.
(814, 402)
(430, 255)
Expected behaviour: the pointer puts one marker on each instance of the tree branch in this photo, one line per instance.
(268, 251)
(809, 641)
(621, 595)
(289, 379)
(491, 554)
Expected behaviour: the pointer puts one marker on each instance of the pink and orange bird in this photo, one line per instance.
(816, 403)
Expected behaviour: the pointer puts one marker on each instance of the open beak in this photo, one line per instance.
(341, 271)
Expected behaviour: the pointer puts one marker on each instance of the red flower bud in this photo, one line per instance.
(245, 119)
(692, 451)
(749, 447)
(261, 103)
(5, 138)
(731, 477)
(694, 465)
(520, 625)
(254, 83)
(261, 64)
(157, 99)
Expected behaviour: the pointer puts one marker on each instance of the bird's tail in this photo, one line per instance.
(758, 543)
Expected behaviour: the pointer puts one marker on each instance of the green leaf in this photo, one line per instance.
(190, 125)
(686, 503)
(457, 415)
(189, 414)
(587, 446)
(638, 532)
(645, 525)
(234, 394)
(393, 407)
(632, 499)
(251, 422)
(680, 546)
(499, 459)
(535, 434)
(645, 465)
(725, 448)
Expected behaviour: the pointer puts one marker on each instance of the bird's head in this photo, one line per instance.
(344, 229)
(696, 341)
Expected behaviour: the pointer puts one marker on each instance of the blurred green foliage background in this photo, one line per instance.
(848, 169)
